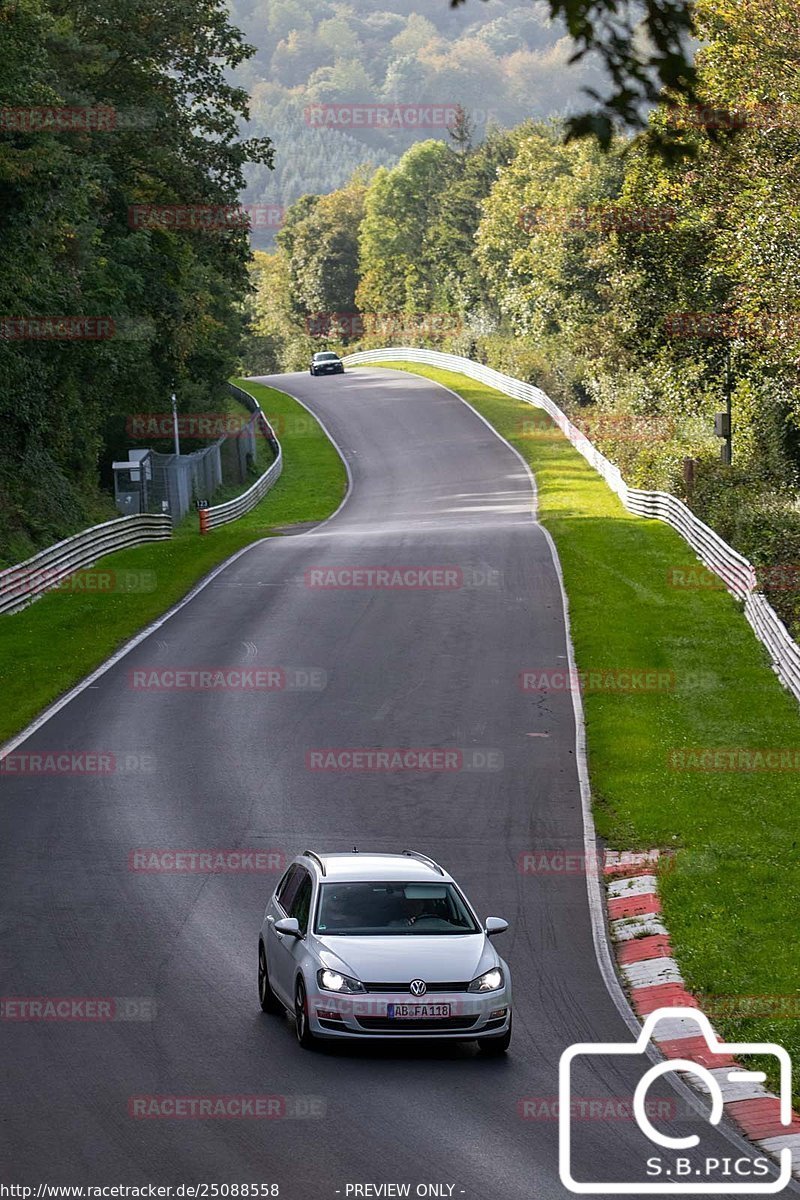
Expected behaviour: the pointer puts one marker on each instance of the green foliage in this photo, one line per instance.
(52, 644)
(564, 265)
(459, 284)
(397, 273)
(277, 339)
(734, 832)
(67, 246)
(645, 49)
(320, 240)
(502, 62)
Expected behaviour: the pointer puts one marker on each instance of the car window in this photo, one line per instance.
(393, 909)
(287, 888)
(301, 904)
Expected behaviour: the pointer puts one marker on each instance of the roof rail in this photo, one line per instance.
(316, 858)
(424, 858)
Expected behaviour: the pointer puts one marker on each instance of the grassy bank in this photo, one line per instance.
(731, 899)
(55, 642)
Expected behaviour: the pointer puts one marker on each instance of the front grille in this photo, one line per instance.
(406, 987)
(423, 1023)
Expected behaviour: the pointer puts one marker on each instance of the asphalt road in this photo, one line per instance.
(423, 667)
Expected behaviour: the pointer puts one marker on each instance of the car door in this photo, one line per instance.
(296, 902)
(284, 895)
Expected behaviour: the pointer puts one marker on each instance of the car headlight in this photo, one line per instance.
(490, 981)
(333, 981)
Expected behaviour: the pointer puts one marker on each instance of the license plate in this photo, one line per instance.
(410, 1012)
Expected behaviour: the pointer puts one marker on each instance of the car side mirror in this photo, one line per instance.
(288, 926)
(495, 925)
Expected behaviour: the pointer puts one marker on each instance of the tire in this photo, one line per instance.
(268, 1000)
(311, 370)
(304, 1035)
(493, 1047)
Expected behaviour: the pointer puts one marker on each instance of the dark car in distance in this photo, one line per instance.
(326, 363)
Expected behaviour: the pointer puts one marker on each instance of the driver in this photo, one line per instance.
(417, 909)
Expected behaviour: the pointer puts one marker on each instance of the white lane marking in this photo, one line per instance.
(69, 696)
(596, 906)
(597, 912)
(53, 709)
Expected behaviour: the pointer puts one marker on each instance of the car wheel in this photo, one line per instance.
(268, 1000)
(304, 1035)
(311, 370)
(495, 1046)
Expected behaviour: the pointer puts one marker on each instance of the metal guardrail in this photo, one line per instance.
(737, 574)
(231, 510)
(26, 581)
(733, 569)
(770, 629)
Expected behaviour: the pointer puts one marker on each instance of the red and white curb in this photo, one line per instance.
(653, 979)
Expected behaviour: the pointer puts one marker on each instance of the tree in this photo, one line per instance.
(396, 274)
(418, 33)
(461, 130)
(172, 296)
(275, 340)
(450, 239)
(321, 245)
(541, 254)
(641, 68)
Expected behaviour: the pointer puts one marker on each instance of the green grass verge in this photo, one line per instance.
(54, 643)
(731, 897)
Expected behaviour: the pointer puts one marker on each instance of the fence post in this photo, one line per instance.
(203, 515)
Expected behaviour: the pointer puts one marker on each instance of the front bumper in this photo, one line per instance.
(473, 1016)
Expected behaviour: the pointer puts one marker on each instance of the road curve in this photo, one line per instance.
(429, 667)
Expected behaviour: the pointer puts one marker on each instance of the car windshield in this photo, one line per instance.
(380, 908)
(327, 357)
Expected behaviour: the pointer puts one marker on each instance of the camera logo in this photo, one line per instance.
(715, 1081)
